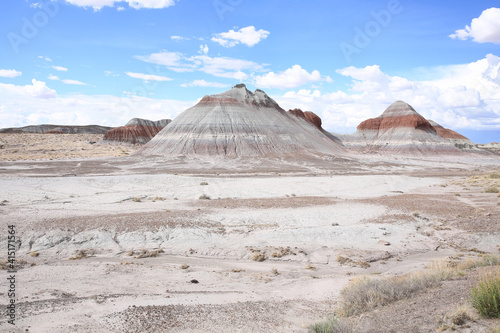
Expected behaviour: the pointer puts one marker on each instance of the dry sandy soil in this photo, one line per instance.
(122, 244)
(17, 147)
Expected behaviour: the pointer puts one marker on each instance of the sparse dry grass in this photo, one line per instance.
(364, 294)
(136, 199)
(204, 197)
(34, 254)
(184, 266)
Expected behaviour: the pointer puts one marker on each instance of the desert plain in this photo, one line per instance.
(116, 243)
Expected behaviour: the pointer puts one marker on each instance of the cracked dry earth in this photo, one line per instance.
(130, 252)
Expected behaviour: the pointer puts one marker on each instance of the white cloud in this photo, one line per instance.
(217, 66)
(45, 58)
(59, 68)
(20, 107)
(291, 78)
(203, 83)
(74, 82)
(203, 49)
(66, 81)
(38, 89)
(10, 73)
(248, 36)
(148, 77)
(458, 96)
(483, 29)
(178, 38)
(136, 4)
(36, 5)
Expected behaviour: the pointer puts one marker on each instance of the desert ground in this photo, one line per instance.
(115, 243)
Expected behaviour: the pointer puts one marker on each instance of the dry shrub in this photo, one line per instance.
(184, 266)
(237, 270)
(204, 197)
(136, 199)
(81, 254)
(492, 189)
(259, 257)
(348, 261)
(143, 253)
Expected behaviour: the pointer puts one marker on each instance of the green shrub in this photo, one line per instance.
(485, 296)
(331, 325)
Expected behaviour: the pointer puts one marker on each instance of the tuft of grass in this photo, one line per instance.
(274, 271)
(184, 266)
(492, 189)
(485, 295)
(136, 199)
(331, 325)
(204, 197)
(203, 183)
(495, 175)
(34, 254)
(416, 214)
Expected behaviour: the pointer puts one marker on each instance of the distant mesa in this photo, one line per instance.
(136, 131)
(58, 129)
(241, 123)
(400, 130)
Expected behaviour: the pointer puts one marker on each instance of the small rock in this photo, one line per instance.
(382, 242)
(193, 281)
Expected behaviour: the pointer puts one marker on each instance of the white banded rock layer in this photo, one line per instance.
(239, 123)
(399, 130)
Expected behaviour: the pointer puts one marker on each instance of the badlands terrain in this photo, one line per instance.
(254, 220)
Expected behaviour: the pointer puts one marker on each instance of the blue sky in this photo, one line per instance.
(106, 61)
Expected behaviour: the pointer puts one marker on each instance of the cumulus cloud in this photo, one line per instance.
(248, 36)
(458, 96)
(26, 109)
(136, 4)
(10, 73)
(37, 89)
(483, 29)
(148, 77)
(217, 66)
(59, 68)
(203, 83)
(291, 78)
